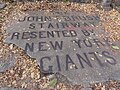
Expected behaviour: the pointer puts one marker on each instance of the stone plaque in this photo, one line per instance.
(67, 42)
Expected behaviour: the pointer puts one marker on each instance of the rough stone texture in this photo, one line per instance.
(6, 88)
(117, 3)
(2, 5)
(81, 1)
(7, 62)
(107, 4)
(86, 89)
(90, 61)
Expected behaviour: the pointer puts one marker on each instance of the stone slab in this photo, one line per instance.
(7, 62)
(67, 42)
